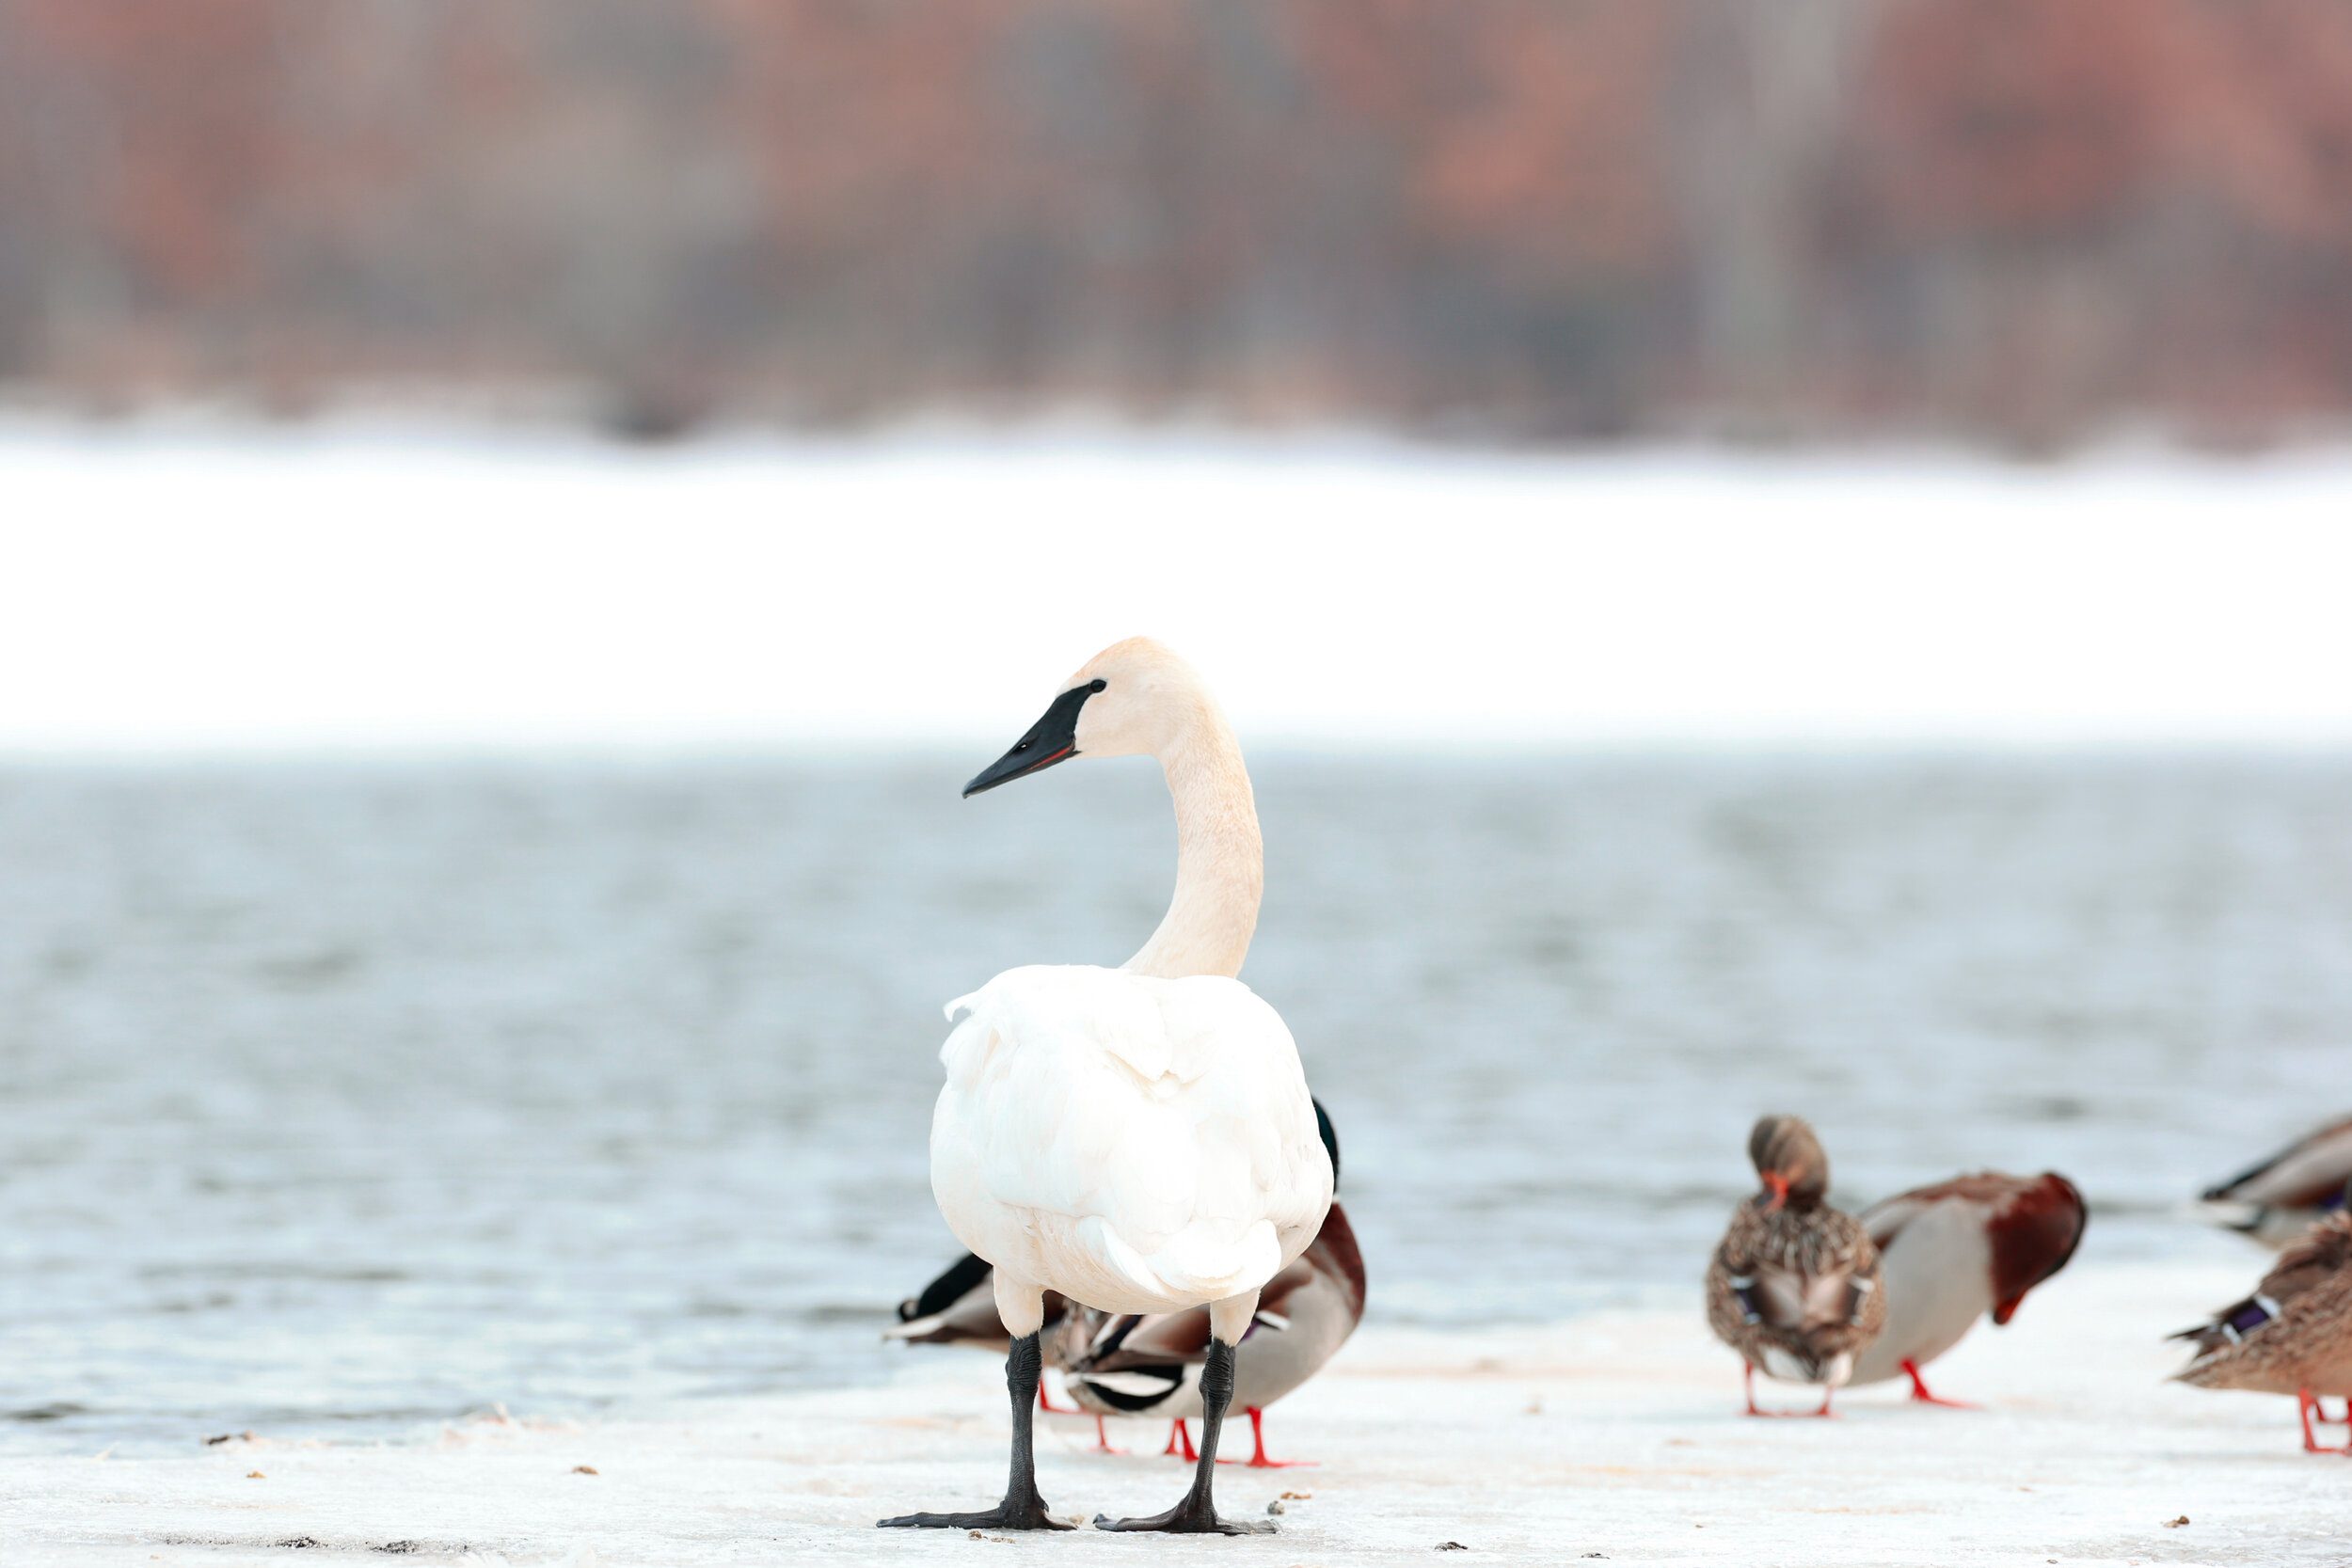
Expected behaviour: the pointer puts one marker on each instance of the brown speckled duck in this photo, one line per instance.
(1794, 1284)
(1960, 1249)
(2292, 1336)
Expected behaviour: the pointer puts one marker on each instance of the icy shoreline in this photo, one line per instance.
(1615, 1434)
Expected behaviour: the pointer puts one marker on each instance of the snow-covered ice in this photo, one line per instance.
(1615, 1435)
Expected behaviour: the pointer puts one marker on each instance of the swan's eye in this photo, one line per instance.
(1098, 686)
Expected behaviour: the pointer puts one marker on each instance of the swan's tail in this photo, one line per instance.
(1191, 1268)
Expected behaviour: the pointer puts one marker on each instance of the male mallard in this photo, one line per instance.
(959, 1308)
(2293, 1335)
(2281, 1198)
(1794, 1285)
(1948, 1252)
(1137, 1364)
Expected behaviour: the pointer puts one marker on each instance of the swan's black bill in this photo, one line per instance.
(1052, 738)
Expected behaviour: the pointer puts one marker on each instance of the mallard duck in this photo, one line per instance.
(2281, 1198)
(1794, 1285)
(2292, 1336)
(1948, 1252)
(1149, 1364)
(959, 1308)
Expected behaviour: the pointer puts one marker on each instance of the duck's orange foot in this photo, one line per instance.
(1258, 1460)
(1103, 1439)
(1919, 1394)
(1179, 1442)
(2308, 1407)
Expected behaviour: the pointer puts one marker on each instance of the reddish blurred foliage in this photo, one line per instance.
(2022, 117)
(1518, 217)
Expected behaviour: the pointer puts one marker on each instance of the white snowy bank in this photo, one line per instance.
(291, 588)
(1617, 1435)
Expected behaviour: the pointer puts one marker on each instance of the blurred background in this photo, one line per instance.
(1769, 555)
(1522, 219)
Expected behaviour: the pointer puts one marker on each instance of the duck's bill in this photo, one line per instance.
(1052, 738)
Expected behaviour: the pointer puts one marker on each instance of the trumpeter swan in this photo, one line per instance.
(1138, 1139)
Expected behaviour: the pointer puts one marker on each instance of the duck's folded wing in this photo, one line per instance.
(2229, 1326)
(1296, 1277)
(2315, 1260)
(958, 1306)
(2303, 1176)
(954, 1282)
(1885, 1221)
(1151, 1339)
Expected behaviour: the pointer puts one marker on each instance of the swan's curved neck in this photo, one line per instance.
(1221, 859)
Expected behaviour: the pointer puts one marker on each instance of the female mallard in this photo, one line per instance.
(1794, 1286)
(1959, 1249)
(2281, 1198)
(2292, 1336)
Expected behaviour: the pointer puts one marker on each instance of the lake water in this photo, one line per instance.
(349, 1098)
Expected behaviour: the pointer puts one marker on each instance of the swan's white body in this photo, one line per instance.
(1139, 1144)
(1138, 1139)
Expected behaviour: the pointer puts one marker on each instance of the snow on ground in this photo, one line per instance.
(1615, 1435)
(301, 587)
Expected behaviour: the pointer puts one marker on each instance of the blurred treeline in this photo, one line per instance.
(2028, 219)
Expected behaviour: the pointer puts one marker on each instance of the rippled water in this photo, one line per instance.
(350, 1098)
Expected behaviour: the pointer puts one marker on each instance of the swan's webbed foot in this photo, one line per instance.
(1021, 1508)
(1195, 1515)
(1026, 1513)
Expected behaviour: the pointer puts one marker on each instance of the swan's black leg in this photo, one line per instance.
(1197, 1514)
(1021, 1508)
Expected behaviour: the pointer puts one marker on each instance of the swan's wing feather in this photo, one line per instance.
(1168, 1119)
